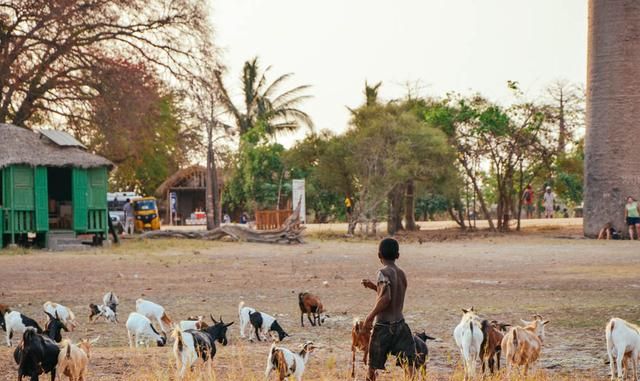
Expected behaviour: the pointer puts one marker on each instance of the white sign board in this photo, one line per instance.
(298, 197)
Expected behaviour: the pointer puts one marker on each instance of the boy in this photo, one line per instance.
(390, 334)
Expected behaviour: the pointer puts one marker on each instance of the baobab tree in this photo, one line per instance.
(613, 97)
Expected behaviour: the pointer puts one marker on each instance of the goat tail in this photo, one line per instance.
(165, 318)
(177, 335)
(68, 355)
(514, 341)
(240, 307)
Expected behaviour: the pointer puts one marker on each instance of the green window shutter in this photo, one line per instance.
(42, 199)
(23, 188)
(80, 198)
(97, 188)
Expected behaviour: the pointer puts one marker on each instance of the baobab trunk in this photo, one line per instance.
(612, 139)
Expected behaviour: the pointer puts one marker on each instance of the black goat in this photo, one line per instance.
(54, 327)
(35, 355)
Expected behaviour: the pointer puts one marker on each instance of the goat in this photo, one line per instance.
(101, 310)
(260, 321)
(422, 351)
(623, 343)
(288, 363)
(491, 347)
(3, 310)
(522, 345)
(155, 312)
(110, 299)
(359, 341)
(17, 323)
(139, 328)
(53, 328)
(193, 322)
(468, 336)
(191, 345)
(73, 359)
(35, 355)
(65, 314)
(310, 305)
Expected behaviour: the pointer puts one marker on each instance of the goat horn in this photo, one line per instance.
(214, 320)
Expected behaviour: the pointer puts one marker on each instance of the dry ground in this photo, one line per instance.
(577, 284)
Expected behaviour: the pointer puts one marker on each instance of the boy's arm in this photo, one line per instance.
(369, 284)
(382, 301)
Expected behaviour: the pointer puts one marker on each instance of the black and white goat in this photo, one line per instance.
(140, 329)
(16, 323)
(35, 355)
(110, 299)
(101, 310)
(288, 363)
(261, 322)
(192, 344)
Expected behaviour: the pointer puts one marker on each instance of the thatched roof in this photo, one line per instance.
(23, 146)
(186, 175)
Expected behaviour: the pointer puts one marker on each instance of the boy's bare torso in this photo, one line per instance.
(393, 278)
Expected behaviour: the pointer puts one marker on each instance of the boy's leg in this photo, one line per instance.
(379, 345)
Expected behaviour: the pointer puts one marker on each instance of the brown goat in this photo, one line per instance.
(522, 345)
(310, 305)
(73, 359)
(360, 336)
(491, 346)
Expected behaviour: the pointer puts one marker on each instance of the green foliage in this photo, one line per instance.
(257, 174)
(430, 205)
(570, 175)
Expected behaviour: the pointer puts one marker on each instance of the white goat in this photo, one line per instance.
(139, 328)
(623, 344)
(155, 312)
(468, 336)
(64, 314)
(288, 363)
(193, 322)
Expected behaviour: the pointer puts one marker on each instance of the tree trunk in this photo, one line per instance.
(410, 207)
(613, 133)
(394, 220)
(476, 188)
(459, 219)
(212, 182)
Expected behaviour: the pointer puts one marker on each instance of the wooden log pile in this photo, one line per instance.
(289, 233)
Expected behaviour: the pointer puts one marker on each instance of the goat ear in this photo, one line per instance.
(525, 322)
(464, 311)
(546, 322)
(228, 325)
(94, 340)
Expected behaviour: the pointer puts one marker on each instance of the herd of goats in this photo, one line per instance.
(44, 350)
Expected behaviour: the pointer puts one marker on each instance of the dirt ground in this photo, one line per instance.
(577, 284)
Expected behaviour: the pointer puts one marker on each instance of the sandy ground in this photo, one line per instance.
(577, 284)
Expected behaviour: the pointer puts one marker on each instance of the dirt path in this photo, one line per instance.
(577, 284)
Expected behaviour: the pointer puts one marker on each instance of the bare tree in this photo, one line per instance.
(567, 107)
(49, 47)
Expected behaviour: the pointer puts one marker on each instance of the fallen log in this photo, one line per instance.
(289, 233)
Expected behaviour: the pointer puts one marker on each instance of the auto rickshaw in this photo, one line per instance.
(145, 214)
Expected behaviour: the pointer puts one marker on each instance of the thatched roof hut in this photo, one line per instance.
(23, 146)
(50, 185)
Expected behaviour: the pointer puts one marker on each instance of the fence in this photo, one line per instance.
(271, 219)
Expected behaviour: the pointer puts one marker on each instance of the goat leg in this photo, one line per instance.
(310, 321)
(353, 362)
(302, 319)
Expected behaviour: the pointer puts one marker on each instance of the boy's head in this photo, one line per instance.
(389, 249)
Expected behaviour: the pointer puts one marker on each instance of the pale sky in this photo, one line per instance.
(447, 45)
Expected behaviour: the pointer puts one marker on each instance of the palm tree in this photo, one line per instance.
(613, 132)
(278, 112)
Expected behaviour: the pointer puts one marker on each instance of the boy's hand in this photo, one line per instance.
(368, 322)
(368, 284)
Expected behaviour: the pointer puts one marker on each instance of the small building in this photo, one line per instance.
(190, 187)
(49, 183)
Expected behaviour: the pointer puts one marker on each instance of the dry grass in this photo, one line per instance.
(577, 284)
